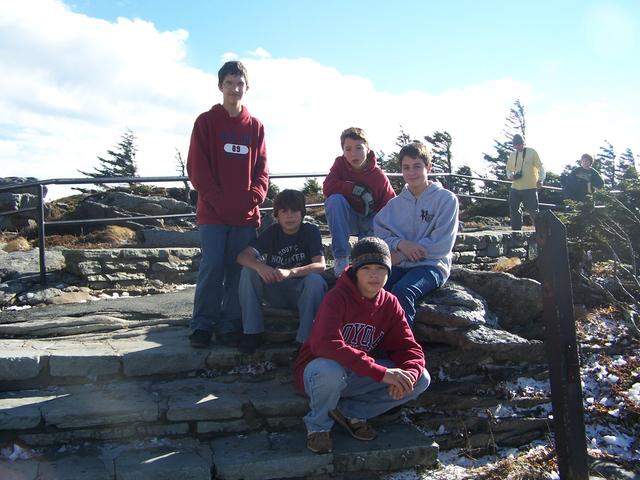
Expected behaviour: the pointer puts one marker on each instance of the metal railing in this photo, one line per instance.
(39, 187)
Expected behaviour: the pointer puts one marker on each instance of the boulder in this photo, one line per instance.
(516, 301)
(454, 305)
(18, 200)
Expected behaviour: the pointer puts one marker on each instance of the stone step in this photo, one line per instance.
(258, 456)
(204, 407)
(165, 351)
(191, 406)
(136, 352)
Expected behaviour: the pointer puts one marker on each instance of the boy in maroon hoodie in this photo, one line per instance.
(355, 190)
(335, 369)
(227, 165)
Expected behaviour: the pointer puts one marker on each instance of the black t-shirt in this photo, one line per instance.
(280, 250)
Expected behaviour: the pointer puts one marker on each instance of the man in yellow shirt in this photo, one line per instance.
(526, 173)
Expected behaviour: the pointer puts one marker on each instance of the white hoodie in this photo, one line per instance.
(430, 220)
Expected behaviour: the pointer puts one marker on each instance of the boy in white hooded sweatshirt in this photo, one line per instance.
(420, 227)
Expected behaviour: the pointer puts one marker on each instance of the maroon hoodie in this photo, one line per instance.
(348, 327)
(342, 178)
(227, 165)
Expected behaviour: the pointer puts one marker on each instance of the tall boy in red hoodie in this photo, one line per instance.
(344, 383)
(355, 190)
(227, 165)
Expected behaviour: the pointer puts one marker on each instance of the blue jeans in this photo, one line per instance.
(343, 222)
(216, 302)
(329, 385)
(305, 293)
(410, 285)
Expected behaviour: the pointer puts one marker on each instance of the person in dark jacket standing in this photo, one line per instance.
(582, 180)
(227, 165)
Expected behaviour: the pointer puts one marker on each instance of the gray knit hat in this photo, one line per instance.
(517, 139)
(370, 250)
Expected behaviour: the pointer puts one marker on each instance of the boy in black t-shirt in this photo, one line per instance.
(282, 267)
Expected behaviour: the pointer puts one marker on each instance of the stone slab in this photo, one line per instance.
(265, 456)
(221, 357)
(119, 432)
(74, 467)
(201, 399)
(91, 405)
(19, 470)
(69, 358)
(226, 427)
(18, 361)
(397, 447)
(273, 400)
(159, 352)
(21, 410)
(162, 464)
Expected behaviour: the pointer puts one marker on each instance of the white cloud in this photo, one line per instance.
(228, 56)
(71, 84)
(260, 53)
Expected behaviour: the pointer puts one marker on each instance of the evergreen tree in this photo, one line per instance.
(605, 163)
(441, 154)
(311, 187)
(463, 186)
(272, 190)
(626, 166)
(120, 162)
(514, 123)
(554, 197)
(391, 163)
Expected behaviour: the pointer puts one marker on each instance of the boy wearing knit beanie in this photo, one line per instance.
(335, 367)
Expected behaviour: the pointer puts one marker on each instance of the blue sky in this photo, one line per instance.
(573, 48)
(79, 72)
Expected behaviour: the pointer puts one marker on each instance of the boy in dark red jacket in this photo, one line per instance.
(355, 190)
(227, 165)
(335, 368)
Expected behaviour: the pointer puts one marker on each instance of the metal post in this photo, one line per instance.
(562, 351)
(41, 239)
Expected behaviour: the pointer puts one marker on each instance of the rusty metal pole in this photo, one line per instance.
(41, 233)
(562, 351)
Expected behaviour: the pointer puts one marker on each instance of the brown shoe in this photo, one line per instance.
(359, 429)
(319, 442)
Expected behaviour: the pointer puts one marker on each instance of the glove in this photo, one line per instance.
(364, 194)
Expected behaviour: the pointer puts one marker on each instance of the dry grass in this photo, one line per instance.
(506, 264)
(109, 237)
(533, 465)
(17, 244)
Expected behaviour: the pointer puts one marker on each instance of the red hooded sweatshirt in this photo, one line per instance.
(227, 165)
(342, 178)
(349, 326)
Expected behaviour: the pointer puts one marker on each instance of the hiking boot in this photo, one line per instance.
(231, 339)
(319, 442)
(250, 342)
(340, 265)
(358, 429)
(200, 339)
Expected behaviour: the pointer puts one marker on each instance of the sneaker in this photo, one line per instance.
(231, 339)
(200, 339)
(250, 342)
(358, 429)
(340, 265)
(319, 442)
